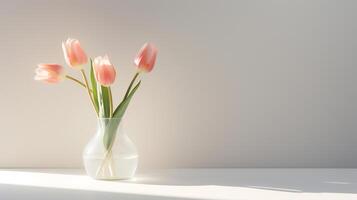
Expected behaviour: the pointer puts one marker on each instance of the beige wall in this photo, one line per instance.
(237, 83)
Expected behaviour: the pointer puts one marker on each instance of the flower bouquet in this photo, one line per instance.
(110, 154)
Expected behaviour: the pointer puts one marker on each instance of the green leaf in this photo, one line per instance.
(104, 101)
(120, 110)
(94, 86)
(112, 125)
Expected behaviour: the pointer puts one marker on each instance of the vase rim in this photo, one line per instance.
(109, 118)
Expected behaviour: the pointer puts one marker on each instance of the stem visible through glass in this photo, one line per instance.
(107, 158)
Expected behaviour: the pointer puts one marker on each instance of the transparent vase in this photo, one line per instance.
(110, 154)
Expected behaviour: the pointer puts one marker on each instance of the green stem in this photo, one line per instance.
(88, 90)
(131, 84)
(110, 102)
(77, 81)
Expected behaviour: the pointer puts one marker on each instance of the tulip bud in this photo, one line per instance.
(50, 73)
(145, 60)
(104, 71)
(74, 54)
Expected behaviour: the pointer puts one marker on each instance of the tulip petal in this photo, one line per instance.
(145, 60)
(104, 71)
(73, 53)
(49, 73)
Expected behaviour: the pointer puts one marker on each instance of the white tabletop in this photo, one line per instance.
(182, 184)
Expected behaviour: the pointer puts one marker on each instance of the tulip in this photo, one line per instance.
(50, 73)
(145, 60)
(104, 70)
(74, 54)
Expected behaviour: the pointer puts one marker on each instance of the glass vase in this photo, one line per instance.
(110, 154)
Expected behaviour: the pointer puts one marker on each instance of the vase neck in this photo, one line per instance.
(109, 124)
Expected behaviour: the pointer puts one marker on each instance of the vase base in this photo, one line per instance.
(120, 168)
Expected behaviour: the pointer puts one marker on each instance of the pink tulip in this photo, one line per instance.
(104, 70)
(50, 73)
(74, 54)
(145, 60)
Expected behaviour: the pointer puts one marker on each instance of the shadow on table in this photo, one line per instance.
(176, 184)
(287, 180)
(21, 192)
